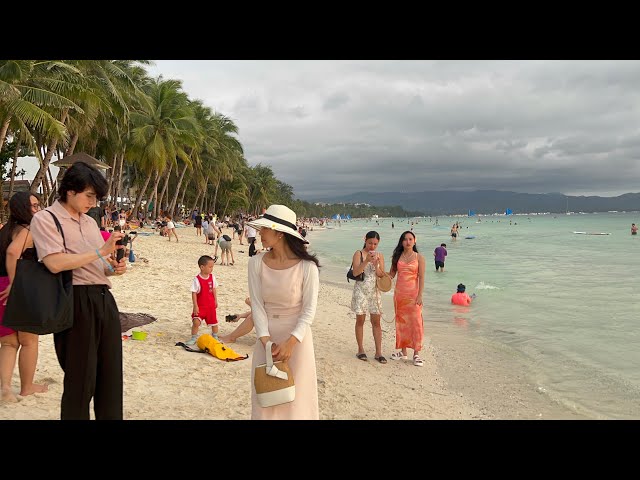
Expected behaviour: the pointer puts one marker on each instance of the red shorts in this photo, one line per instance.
(207, 314)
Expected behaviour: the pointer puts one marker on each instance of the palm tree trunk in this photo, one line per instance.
(164, 187)
(155, 193)
(37, 180)
(172, 207)
(112, 174)
(184, 192)
(72, 145)
(3, 131)
(14, 166)
(141, 194)
(195, 203)
(215, 194)
(53, 189)
(120, 170)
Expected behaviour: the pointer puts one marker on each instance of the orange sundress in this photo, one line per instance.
(409, 327)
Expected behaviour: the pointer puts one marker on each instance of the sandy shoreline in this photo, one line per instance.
(460, 378)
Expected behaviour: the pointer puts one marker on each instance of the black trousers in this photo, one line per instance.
(90, 354)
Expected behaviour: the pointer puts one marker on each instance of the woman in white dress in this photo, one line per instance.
(283, 286)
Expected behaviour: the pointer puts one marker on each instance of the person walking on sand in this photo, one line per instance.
(16, 241)
(407, 297)
(283, 286)
(90, 352)
(366, 296)
(170, 228)
(440, 253)
(204, 299)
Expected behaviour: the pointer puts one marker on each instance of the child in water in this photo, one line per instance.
(461, 297)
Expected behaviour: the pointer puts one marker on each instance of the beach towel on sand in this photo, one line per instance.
(207, 344)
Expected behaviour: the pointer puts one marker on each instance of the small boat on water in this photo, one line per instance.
(592, 233)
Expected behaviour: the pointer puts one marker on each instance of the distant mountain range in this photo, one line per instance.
(488, 201)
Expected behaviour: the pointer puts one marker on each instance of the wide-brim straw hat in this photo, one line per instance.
(280, 218)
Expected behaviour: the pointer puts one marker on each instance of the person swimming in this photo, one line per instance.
(461, 297)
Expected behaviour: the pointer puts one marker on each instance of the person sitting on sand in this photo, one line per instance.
(241, 330)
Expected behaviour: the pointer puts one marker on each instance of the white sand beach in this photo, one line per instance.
(164, 381)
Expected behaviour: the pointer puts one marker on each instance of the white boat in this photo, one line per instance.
(592, 233)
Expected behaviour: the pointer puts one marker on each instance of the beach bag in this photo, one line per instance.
(273, 382)
(384, 283)
(39, 301)
(226, 237)
(350, 274)
(218, 349)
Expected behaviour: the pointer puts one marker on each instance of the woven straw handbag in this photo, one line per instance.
(384, 283)
(273, 382)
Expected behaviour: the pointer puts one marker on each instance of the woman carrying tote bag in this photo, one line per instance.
(90, 352)
(16, 241)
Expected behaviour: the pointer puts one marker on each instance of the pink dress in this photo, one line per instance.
(409, 327)
(282, 294)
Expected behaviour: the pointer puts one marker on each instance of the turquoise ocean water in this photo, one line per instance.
(567, 303)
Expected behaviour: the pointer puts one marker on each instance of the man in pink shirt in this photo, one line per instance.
(90, 352)
(461, 297)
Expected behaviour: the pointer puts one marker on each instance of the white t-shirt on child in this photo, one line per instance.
(195, 285)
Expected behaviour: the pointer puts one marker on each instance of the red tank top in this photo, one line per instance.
(205, 295)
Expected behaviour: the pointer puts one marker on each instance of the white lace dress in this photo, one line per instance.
(366, 296)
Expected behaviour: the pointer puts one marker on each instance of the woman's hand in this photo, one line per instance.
(283, 351)
(5, 294)
(419, 300)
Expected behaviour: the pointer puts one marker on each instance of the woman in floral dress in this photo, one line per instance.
(366, 296)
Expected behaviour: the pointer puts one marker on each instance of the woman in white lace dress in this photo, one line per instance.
(366, 296)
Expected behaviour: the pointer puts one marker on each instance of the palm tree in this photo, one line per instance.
(162, 130)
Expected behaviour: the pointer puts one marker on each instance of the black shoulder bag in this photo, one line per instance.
(350, 274)
(40, 302)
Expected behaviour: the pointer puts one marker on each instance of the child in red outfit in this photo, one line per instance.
(203, 295)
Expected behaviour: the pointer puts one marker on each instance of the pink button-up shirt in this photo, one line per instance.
(80, 236)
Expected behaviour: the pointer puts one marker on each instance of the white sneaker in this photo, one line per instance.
(398, 356)
(192, 341)
(417, 361)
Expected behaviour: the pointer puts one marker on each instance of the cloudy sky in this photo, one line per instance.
(331, 127)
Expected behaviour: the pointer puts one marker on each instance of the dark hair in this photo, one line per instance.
(371, 234)
(203, 260)
(299, 250)
(78, 177)
(443, 244)
(461, 287)
(399, 249)
(20, 214)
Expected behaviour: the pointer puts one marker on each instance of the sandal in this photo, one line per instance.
(417, 361)
(398, 356)
(361, 356)
(381, 359)
(231, 318)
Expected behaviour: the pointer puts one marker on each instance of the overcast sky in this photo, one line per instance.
(333, 127)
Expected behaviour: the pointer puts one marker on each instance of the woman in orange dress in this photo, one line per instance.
(407, 297)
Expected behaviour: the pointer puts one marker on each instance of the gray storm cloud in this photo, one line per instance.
(330, 127)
